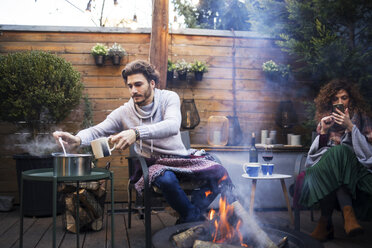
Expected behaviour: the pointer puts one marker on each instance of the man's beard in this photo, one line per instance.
(146, 96)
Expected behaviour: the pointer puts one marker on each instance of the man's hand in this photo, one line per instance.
(343, 119)
(123, 139)
(325, 123)
(70, 142)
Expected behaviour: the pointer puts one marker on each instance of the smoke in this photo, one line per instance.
(42, 144)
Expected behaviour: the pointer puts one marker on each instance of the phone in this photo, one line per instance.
(338, 106)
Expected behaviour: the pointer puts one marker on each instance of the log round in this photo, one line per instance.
(163, 238)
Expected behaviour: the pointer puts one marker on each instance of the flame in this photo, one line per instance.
(211, 214)
(222, 178)
(223, 230)
(207, 193)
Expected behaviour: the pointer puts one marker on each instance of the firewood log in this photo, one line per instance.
(69, 203)
(186, 239)
(207, 244)
(84, 217)
(70, 222)
(283, 243)
(100, 191)
(97, 224)
(90, 203)
(251, 227)
(93, 185)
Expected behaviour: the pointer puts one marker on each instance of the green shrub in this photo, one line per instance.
(37, 87)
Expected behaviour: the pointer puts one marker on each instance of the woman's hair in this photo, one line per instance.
(143, 67)
(323, 102)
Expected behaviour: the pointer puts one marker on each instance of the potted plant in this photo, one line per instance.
(38, 90)
(199, 67)
(99, 52)
(170, 70)
(116, 52)
(182, 67)
(275, 72)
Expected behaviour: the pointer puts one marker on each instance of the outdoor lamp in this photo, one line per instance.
(286, 115)
(190, 115)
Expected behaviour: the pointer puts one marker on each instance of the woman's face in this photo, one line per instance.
(341, 97)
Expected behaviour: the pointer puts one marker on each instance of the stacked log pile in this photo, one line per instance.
(91, 205)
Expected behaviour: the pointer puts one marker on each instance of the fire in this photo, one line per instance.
(207, 193)
(222, 178)
(223, 230)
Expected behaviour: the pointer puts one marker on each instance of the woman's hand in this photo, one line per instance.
(343, 119)
(123, 139)
(70, 142)
(326, 123)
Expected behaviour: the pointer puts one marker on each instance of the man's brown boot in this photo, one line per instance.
(322, 231)
(352, 227)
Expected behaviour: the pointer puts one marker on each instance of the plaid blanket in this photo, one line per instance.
(191, 168)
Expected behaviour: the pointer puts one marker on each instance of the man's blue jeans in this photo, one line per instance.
(178, 200)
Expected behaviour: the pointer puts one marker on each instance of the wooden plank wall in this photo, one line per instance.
(257, 100)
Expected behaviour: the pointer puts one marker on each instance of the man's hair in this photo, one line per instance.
(143, 67)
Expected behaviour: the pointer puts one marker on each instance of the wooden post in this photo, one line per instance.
(159, 39)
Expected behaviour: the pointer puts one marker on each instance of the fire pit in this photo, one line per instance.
(163, 238)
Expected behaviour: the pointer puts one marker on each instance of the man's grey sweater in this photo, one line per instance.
(158, 125)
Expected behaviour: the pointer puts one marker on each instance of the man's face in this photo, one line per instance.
(140, 89)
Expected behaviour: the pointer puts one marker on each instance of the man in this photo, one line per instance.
(151, 120)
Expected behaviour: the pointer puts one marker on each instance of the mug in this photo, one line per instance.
(289, 137)
(267, 169)
(251, 169)
(101, 147)
(295, 140)
(264, 135)
(272, 135)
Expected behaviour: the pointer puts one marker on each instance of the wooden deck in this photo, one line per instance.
(38, 233)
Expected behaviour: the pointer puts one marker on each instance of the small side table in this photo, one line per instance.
(280, 177)
(47, 175)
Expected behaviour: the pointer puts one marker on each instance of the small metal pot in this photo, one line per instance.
(72, 164)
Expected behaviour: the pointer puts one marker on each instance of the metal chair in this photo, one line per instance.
(150, 192)
(299, 166)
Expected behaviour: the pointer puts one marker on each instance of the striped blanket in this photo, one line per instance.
(191, 168)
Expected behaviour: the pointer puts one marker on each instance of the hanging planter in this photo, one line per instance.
(115, 59)
(276, 72)
(170, 75)
(99, 59)
(99, 52)
(199, 67)
(170, 70)
(182, 67)
(198, 75)
(116, 53)
(182, 76)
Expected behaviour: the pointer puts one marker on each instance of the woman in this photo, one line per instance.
(340, 160)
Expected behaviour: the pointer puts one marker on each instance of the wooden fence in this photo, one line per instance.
(256, 99)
